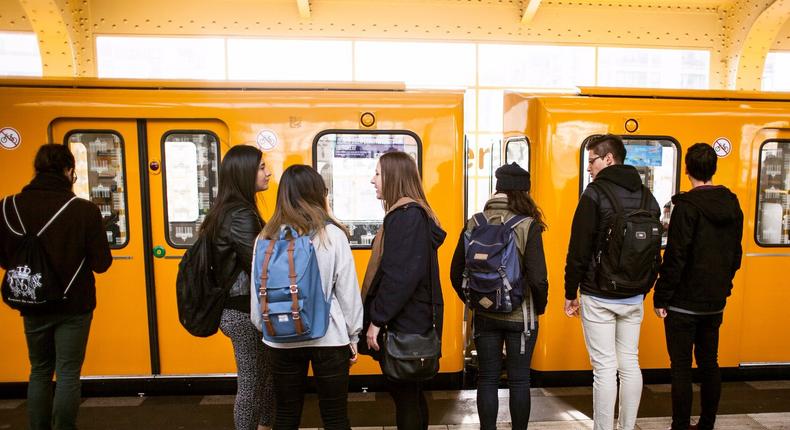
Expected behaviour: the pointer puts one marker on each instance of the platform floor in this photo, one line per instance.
(744, 405)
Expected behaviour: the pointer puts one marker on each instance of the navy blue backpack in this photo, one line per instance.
(287, 295)
(493, 281)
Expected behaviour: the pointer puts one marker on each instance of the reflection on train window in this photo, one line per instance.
(773, 200)
(496, 162)
(517, 151)
(347, 162)
(656, 160)
(98, 157)
(190, 169)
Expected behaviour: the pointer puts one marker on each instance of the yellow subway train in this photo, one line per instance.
(147, 154)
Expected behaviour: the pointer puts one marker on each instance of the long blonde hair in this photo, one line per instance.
(400, 178)
(301, 204)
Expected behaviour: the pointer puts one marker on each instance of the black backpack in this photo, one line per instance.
(30, 281)
(629, 253)
(200, 298)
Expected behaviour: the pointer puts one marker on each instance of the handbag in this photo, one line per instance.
(410, 356)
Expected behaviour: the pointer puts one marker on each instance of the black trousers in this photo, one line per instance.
(700, 334)
(411, 408)
(490, 336)
(330, 368)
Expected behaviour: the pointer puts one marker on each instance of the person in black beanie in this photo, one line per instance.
(517, 330)
(76, 243)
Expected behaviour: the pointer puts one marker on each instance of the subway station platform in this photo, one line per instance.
(744, 405)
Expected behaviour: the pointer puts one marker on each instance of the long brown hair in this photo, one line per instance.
(521, 203)
(301, 204)
(237, 175)
(399, 178)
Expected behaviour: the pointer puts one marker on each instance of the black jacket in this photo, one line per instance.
(232, 247)
(703, 251)
(400, 293)
(78, 232)
(533, 266)
(591, 219)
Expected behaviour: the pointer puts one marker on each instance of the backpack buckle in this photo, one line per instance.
(265, 317)
(295, 315)
(293, 288)
(263, 291)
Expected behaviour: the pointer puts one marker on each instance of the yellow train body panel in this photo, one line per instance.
(143, 114)
(556, 126)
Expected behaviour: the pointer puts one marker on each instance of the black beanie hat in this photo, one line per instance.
(511, 177)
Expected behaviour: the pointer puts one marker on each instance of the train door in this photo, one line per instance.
(182, 168)
(107, 169)
(766, 239)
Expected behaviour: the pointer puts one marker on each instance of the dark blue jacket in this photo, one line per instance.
(400, 294)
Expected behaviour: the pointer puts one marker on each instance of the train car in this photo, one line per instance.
(750, 132)
(148, 153)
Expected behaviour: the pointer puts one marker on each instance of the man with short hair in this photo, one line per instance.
(694, 283)
(610, 321)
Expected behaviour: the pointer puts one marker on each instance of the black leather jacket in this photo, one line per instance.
(232, 247)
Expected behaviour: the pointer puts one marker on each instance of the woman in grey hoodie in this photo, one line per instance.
(301, 204)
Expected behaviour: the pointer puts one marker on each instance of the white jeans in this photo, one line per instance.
(611, 332)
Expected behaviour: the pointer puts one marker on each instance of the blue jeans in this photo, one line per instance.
(330, 367)
(56, 345)
(490, 336)
(699, 333)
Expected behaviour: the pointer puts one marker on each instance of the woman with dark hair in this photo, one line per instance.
(517, 330)
(401, 287)
(231, 225)
(75, 241)
(302, 206)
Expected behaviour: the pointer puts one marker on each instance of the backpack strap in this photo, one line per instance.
(293, 288)
(5, 217)
(514, 221)
(645, 193)
(480, 219)
(53, 216)
(607, 191)
(264, 297)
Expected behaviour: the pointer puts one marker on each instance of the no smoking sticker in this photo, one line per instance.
(722, 146)
(9, 138)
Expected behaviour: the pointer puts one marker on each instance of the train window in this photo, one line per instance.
(99, 166)
(347, 161)
(190, 171)
(657, 161)
(517, 151)
(773, 200)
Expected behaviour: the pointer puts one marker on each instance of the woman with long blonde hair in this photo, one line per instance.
(302, 206)
(401, 286)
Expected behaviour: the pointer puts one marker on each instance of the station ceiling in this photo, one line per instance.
(738, 33)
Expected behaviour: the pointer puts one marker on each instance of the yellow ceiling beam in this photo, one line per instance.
(54, 38)
(758, 41)
(304, 8)
(530, 9)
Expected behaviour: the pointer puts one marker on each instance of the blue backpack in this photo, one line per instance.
(288, 289)
(493, 281)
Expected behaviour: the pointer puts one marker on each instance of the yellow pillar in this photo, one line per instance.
(65, 38)
(757, 44)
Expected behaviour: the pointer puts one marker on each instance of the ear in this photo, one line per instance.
(608, 159)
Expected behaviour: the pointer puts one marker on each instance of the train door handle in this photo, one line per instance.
(159, 251)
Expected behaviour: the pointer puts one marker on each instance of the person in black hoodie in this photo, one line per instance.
(401, 288)
(694, 283)
(57, 333)
(232, 224)
(611, 323)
